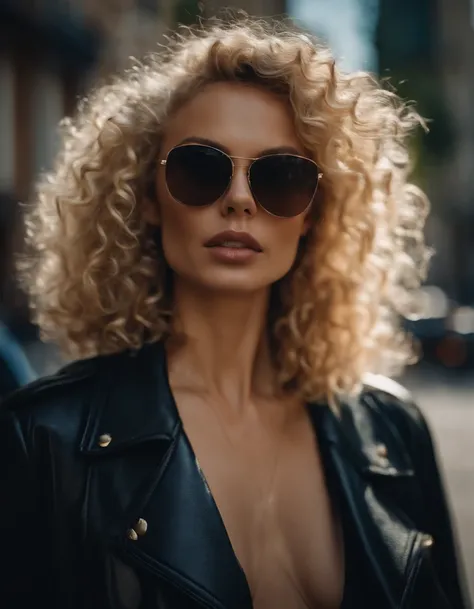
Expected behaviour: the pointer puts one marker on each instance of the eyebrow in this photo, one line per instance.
(207, 142)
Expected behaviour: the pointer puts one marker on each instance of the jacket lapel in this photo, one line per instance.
(147, 490)
(369, 485)
(186, 540)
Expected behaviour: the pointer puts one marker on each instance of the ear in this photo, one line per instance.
(150, 212)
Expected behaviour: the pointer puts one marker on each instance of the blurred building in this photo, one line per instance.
(455, 182)
(44, 51)
(50, 51)
(426, 48)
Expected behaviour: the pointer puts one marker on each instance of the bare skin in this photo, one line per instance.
(256, 447)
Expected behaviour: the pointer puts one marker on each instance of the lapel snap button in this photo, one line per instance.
(132, 534)
(427, 541)
(105, 439)
(141, 526)
(382, 453)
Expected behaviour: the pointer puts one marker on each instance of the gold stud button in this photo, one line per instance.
(132, 534)
(427, 541)
(104, 440)
(381, 450)
(141, 527)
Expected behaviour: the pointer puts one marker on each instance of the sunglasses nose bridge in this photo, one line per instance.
(240, 169)
(238, 163)
(239, 196)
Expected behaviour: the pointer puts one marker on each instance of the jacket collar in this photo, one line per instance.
(131, 403)
(133, 406)
(368, 446)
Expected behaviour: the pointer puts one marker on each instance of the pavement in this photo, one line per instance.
(447, 401)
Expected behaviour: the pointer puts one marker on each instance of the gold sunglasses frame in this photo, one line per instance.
(252, 160)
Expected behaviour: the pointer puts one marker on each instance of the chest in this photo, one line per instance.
(269, 488)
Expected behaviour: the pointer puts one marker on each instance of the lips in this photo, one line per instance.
(234, 240)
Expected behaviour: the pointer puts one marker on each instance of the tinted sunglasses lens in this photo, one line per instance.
(197, 175)
(284, 184)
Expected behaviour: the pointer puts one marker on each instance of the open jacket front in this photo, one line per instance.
(103, 505)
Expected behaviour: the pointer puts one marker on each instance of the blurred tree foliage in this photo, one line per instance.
(408, 41)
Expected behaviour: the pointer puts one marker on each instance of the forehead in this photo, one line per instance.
(242, 118)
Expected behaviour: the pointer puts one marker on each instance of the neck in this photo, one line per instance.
(225, 353)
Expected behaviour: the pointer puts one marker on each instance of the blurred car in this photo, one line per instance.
(445, 333)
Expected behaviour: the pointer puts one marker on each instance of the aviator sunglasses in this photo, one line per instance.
(198, 175)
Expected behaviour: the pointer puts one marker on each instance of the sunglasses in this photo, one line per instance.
(198, 175)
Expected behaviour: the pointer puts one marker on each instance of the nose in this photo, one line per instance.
(238, 198)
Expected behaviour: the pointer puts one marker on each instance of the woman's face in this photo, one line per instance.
(243, 121)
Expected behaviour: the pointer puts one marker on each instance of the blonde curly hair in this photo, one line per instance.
(97, 279)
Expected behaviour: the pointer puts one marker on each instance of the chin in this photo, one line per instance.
(236, 281)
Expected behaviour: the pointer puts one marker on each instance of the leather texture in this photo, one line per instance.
(87, 453)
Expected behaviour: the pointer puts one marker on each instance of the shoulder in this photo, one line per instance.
(385, 414)
(390, 396)
(384, 385)
(67, 388)
(392, 404)
(81, 386)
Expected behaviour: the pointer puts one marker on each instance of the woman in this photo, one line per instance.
(224, 246)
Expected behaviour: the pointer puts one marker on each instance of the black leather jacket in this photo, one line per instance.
(93, 456)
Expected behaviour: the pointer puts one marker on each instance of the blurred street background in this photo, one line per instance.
(52, 51)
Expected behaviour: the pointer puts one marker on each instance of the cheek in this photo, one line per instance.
(289, 251)
(182, 234)
(172, 226)
(285, 243)
(288, 233)
(175, 233)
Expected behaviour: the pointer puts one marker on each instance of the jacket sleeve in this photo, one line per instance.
(25, 575)
(437, 519)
